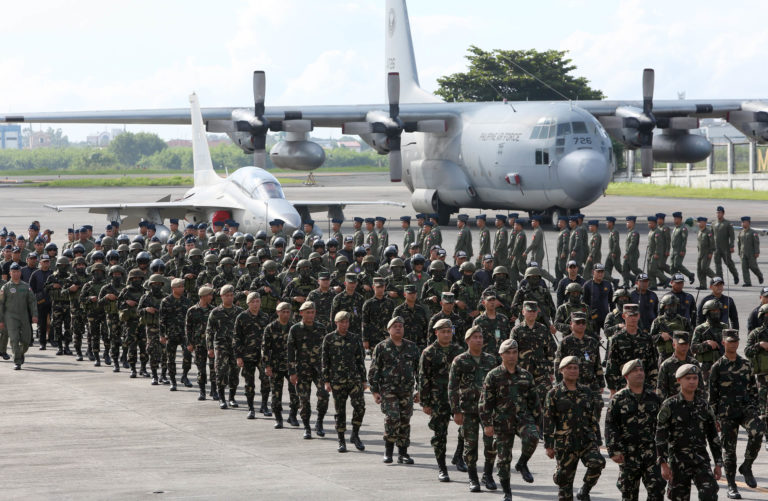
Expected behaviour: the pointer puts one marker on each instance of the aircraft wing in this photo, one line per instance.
(701, 108)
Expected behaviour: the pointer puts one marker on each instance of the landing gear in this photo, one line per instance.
(557, 213)
(444, 212)
(310, 180)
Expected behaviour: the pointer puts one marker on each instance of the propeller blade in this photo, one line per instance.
(432, 126)
(220, 126)
(648, 81)
(356, 128)
(646, 160)
(297, 125)
(395, 166)
(393, 94)
(259, 90)
(683, 123)
(260, 159)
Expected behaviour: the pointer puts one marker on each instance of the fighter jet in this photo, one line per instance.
(250, 196)
(547, 158)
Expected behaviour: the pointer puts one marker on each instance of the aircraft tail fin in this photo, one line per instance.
(204, 175)
(399, 55)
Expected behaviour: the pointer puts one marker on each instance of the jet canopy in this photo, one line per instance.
(257, 183)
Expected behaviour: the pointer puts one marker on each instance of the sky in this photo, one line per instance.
(89, 55)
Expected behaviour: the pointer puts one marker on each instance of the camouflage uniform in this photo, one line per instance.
(77, 312)
(434, 369)
(543, 298)
(172, 316)
(60, 310)
(624, 347)
(471, 294)
(667, 385)
(587, 350)
(323, 305)
(94, 314)
(572, 429)
(352, 304)
(274, 356)
(612, 322)
(563, 317)
(630, 424)
(111, 311)
(505, 294)
(376, 314)
(299, 286)
(195, 324)
(433, 287)
(536, 348)
(343, 366)
(459, 327)
(495, 331)
(392, 374)
(704, 353)
(304, 345)
(416, 321)
(219, 334)
(129, 318)
(668, 323)
(759, 359)
(150, 321)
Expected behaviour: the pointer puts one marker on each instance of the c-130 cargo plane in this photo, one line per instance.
(548, 158)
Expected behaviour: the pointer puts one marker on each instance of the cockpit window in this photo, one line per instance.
(544, 128)
(268, 190)
(579, 127)
(563, 129)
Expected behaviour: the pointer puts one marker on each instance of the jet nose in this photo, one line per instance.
(283, 209)
(584, 175)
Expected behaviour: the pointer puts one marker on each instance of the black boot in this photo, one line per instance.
(265, 404)
(173, 383)
(61, 350)
(133, 371)
(474, 483)
(342, 443)
(143, 371)
(458, 457)
(107, 358)
(214, 392)
(251, 410)
(506, 488)
(583, 493)
(442, 469)
(164, 376)
(292, 418)
(488, 481)
(733, 490)
(388, 448)
(307, 429)
(403, 457)
(232, 401)
(185, 379)
(98, 360)
(319, 425)
(154, 382)
(355, 438)
(90, 355)
(222, 397)
(522, 467)
(117, 367)
(278, 420)
(79, 356)
(124, 360)
(746, 470)
(67, 351)
(201, 396)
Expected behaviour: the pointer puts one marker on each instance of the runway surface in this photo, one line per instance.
(74, 431)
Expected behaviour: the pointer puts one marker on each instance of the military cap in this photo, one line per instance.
(406, 219)
(323, 275)
(593, 222)
(370, 220)
(177, 282)
(764, 292)
(651, 219)
(660, 215)
(489, 294)
(395, 320)
(8, 247)
(572, 263)
(598, 267)
(307, 305)
(531, 305)
(508, 344)
(568, 361)
(434, 216)
(420, 216)
(746, 218)
(701, 219)
(15, 266)
(686, 369)
(21, 237)
(641, 277)
(15, 250)
(342, 315)
(463, 217)
(681, 337)
(578, 315)
(631, 218)
(202, 226)
(630, 366)
(442, 252)
(32, 255)
(536, 217)
(39, 240)
(611, 219)
(69, 230)
(562, 218)
(88, 227)
(45, 257)
(429, 223)
(730, 335)
(409, 288)
(461, 254)
(33, 226)
(13, 234)
(379, 281)
(501, 217)
(677, 214)
(631, 309)
(678, 277)
(174, 220)
(717, 280)
(227, 289)
(380, 219)
(488, 257)
(573, 218)
(720, 208)
(350, 277)
(481, 216)
(513, 215)
(448, 297)
(310, 222)
(283, 306)
(349, 238)
(142, 224)
(443, 323)
(115, 224)
(521, 221)
(218, 224)
(252, 295)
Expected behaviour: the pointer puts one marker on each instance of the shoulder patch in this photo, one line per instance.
(664, 414)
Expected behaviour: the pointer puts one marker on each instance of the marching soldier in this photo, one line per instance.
(631, 253)
(94, 312)
(723, 235)
(655, 255)
(128, 301)
(467, 293)
(705, 243)
(613, 258)
(350, 301)
(74, 284)
(484, 238)
(686, 303)
(707, 344)
(666, 235)
(574, 303)
(173, 311)
(18, 311)
(666, 324)
(614, 320)
(563, 239)
(594, 251)
(108, 300)
(517, 246)
(678, 245)
(382, 233)
(376, 313)
(409, 236)
(630, 425)
(577, 248)
(249, 336)
(434, 287)
(274, 359)
(667, 385)
(437, 236)
(463, 236)
(627, 344)
(536, 348)
(416, 317)
(323, 299)
(756, 351)
(534, 290)
(195, 323)
(495, 325)
(749, 251)
(500, 241)
(55, 285)
(149, 310)
(219, 335)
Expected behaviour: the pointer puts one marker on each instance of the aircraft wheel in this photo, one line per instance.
(444, 212)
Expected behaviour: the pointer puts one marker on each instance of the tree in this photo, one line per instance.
(507, 74)
(129, 148)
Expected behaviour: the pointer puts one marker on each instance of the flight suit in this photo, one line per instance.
(613, 258)
(724, 239)
(679, 241)
(705, 244)
(17, 308)
(749, 250)
(631, 255)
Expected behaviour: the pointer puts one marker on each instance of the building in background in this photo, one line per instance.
(10, 137)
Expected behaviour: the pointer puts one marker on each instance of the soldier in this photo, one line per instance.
(127, 303)
(94, 312)
(684, 426)
(686, 303)
(108, 301)
(219, 334)
(534, 290)
(394, 366)
(18, 311)
(614, 321)
(749, 251)
(268, 286)
(437, 236)
(296, 291)
(571, 276)
(574, 303)
(756, 351)
(304, 346)
(195, 322)
(707, 344)
(613, 258)
(417, 276)
(705, 244)
(249, 333)
(274, 360)
(467, 293)
(371, 237)
(734, 400)
(149, 309)
(409, 236)
(678, 244)
(655, 255)
(60, 307)
(517, 246)
(577, 249)
(563, 239)
(210, 261)
(631, 253)
(74, 284)
(323, 299)
(485, 236)
(173, 312)
(647, 300)
(666, 385)
(463, 236)
(383, 235)
(397, 281)
(435, 286)
(628, 344)
(350, 301)
(597, 294)
(376, 313)
(358, 236)
(667, 323)
(723, 237)
(594, 251)
(500, 241)
(447, 303)
(434, 368)
(666, 241)
(496, 326)
(728, 314)
(630, 425)
(416, 317)
(572, 430)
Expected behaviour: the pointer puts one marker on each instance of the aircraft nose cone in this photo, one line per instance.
(584, 174)
(283, 209)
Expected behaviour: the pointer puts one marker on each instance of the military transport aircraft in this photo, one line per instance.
(250, 195)
(546, 158)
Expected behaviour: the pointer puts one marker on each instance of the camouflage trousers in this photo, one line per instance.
(354, 392)
(115, 336)
(529, 435)
(60, 323)
(248, 372)
(682, 476)
(97, 329)
(636, 469)
(171, 347)
(438, 423)
(729, 429)
(134, 339)
(201, 359)
(762, 392)
(304, 391)
(471, 431)
(226, 370)
(542, 385)
(397, 409)
(276, 385)
(568, 460)
(154, 348)
(78, 322)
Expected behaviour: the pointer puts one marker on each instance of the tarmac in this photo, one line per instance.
(75, 431)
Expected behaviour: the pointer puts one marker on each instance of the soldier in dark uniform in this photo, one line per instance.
(665, 324)
(756, 351)
(108, 300)
(614, 320)
(376, 313)
(707, 343)
(666, 385)
(74, 284)
(296, 291)
(572, 430)
(350, 301)
(574, 303)
(594, 251)
(60, 308)
(447, 302)
(705, 243)
(535, 290)
(734, 400)
(571, 276)
(149, 315)
(392, 375)
(219, 336)
(128, 301)
(627, 344)
(495, 325)
(630, 425)
(273, 357)
(435, 286)
(249, 335)
(467, 293)
(686, 305)
(195, 324)
(666, 241)
(728, 313)
(597, 295)
(647, 301)
(416, 317)
(684, 426)
(503, 289)
(678, 244)
(94, 312)
(173, 311)
(323, 299)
